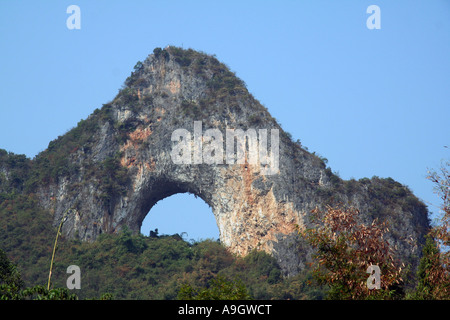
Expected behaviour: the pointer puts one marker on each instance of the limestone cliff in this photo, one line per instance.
(110, 170)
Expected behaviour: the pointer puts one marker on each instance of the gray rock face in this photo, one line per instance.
(121, 162)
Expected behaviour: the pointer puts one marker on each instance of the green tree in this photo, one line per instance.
(429, 273)
(10, 280)
(434, 269)
(220, 288)
(12, 286)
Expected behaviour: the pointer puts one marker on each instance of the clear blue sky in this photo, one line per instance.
(374, 102)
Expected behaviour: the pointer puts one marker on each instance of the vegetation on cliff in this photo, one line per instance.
(127, 266)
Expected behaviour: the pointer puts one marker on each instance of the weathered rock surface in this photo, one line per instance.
(113, 167)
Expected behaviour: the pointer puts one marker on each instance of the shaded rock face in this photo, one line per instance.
(120, 164)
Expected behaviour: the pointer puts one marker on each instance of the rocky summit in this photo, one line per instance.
(183, 122)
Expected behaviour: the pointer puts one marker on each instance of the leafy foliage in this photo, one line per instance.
(138, 267)
(10, 280)
(128, 266)
(27, 235)
(14, 171)
(434, 268)
(113, 178)
(433, 283)
(12, 285)
(220, 288)
(56, 160)
(345, 249)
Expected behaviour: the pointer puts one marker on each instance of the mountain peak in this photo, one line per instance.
(184, 74)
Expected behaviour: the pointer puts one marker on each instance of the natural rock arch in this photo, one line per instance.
(182, 214)
(114, 166)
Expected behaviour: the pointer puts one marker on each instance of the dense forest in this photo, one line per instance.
(127, 266)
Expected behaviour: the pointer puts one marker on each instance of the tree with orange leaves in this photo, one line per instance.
(345, 249)
(434, 268)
